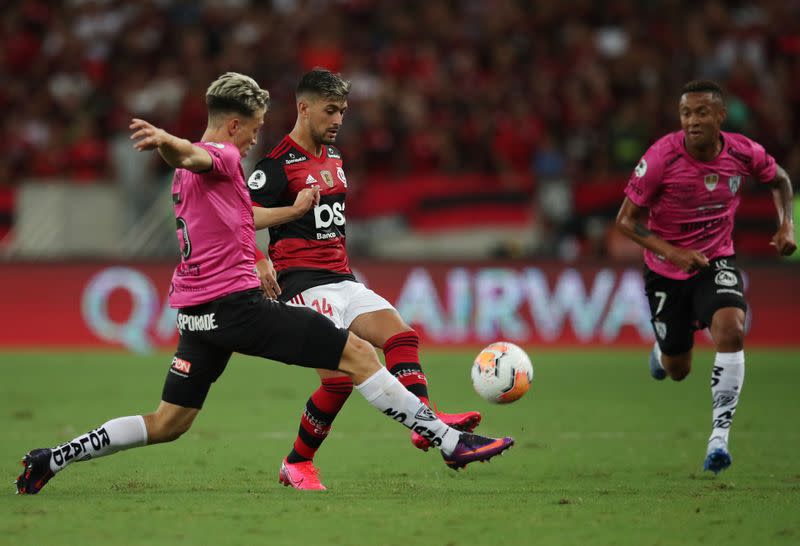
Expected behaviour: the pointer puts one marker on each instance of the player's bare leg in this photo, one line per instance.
(385, 328)
(677, 367)
(383, 391)
(727, 379)
(165, 424)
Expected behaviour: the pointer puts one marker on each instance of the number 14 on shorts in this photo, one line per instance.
(322, 307)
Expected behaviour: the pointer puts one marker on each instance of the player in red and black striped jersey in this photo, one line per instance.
(309, 256)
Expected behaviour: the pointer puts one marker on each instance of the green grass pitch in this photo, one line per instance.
(604, 455)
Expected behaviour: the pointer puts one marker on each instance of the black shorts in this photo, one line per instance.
(679, 307)
(248, 323)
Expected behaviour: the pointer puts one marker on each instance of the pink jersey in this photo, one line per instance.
(215, 230)
(692, 203)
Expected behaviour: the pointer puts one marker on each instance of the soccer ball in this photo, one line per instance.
(502, 373)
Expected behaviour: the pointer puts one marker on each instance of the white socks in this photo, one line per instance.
(115, 435)
(727, 378)
(386, 393)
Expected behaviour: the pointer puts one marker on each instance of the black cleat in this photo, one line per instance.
(37, 472)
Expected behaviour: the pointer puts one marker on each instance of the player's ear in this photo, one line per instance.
(302, 107)
(233, 125)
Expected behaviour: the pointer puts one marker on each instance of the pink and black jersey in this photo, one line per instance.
(311, 250)
(215, 230)
(692, 203)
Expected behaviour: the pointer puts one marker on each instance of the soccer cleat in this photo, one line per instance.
(300, 476)
(656, 370)
(464, 422)
(717, 456)
(471, 448)
(37, 472)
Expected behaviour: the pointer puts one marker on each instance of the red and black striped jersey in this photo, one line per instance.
(311, 250)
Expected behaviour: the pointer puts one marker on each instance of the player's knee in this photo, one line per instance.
(678, 374)
(729, 336)
(677, 367)
(359, 359)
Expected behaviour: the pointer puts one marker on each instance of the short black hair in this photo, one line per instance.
(324, 83)
(704, 86)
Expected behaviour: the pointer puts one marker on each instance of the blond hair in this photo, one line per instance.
(234, 92)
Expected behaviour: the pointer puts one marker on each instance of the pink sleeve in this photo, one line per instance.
(645, 181)
(224, 157)
(763, 166)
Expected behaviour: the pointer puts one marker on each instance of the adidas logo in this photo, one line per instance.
(311, 180)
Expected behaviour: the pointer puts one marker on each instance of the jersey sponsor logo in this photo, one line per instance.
(294, 158)
(342, 177)
(332, 153)
(734, 182)
(257, 180)
(710, 180)
(641, 168)
(311, 180)
(325, 215)
(181, 365)
(327, 177)
(195, 323)
(726, 278)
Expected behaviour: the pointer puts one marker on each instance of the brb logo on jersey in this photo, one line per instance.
(325, 215)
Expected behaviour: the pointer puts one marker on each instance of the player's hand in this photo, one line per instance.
(146, 135)
(306, 198)
(688, 260)
(783, 240)
(268, 278)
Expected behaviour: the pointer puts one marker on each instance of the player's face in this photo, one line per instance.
(246, 132)
(325, 119)
(702, 115)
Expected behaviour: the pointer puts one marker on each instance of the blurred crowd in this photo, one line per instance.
(566, 90)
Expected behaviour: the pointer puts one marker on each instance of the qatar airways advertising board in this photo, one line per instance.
(544, 304)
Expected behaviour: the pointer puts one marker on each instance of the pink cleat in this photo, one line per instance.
(300, 476)
(464, 422)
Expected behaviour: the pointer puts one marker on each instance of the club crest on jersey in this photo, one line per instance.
(327, 177)
(734, 182)
(710, 181)
(257, 180)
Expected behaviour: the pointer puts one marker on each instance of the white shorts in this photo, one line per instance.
(342, 302)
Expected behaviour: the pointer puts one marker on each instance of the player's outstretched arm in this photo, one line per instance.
(631, 222)
(265, 217)
(179, 153)
(783, 240)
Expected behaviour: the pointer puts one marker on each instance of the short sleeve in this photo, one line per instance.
(762, 167)
(645, 181)
(267, 183)
(225, 158)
